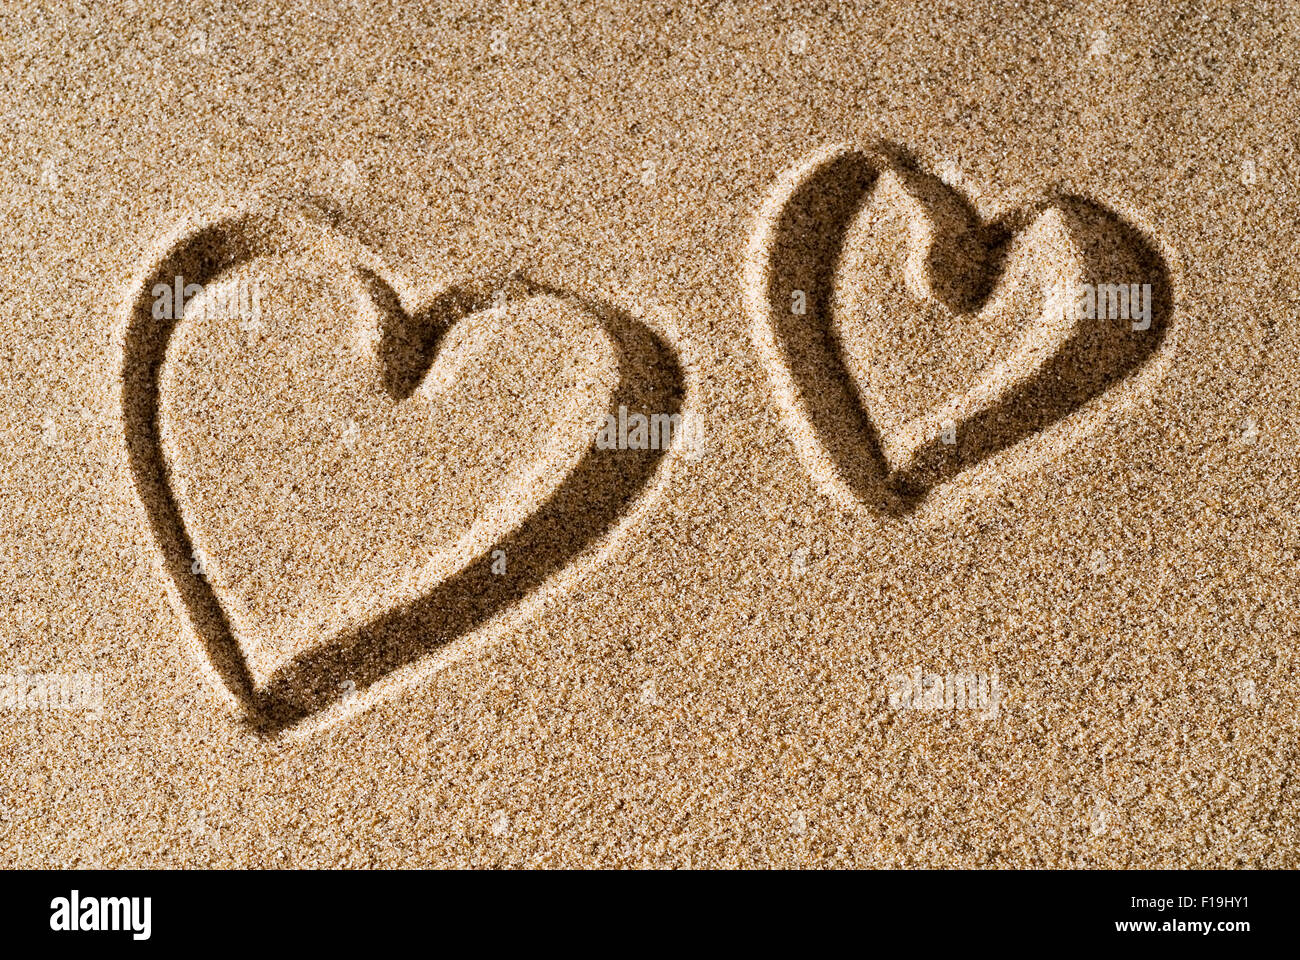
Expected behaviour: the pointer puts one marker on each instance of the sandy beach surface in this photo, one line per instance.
(665, 435)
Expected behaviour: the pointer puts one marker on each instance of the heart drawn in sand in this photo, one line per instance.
(908, 341)
(352, 482)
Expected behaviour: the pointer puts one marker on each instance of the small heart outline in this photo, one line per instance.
(796, 244)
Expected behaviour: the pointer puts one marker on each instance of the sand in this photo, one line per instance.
(334, 567)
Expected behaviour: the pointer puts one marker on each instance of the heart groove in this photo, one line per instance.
(823, 233)
(584, 509)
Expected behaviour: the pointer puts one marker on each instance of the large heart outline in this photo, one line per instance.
(594, 499)
(797, 243)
